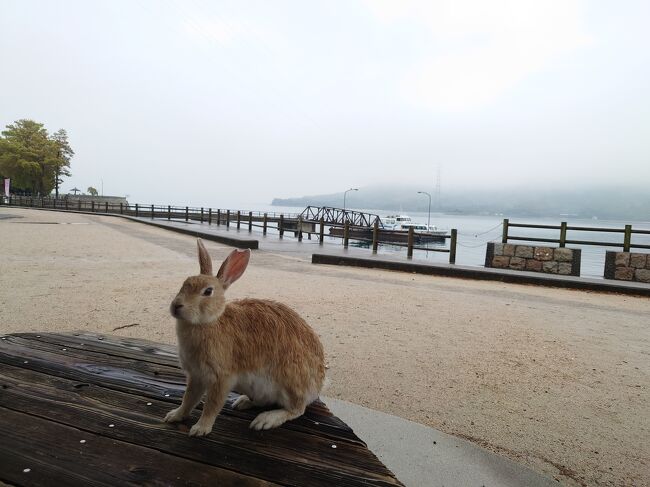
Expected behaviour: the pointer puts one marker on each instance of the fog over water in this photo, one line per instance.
(232, 104)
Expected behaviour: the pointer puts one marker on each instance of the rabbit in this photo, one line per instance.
(262, 349)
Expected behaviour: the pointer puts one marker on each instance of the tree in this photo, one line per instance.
(32, 159)
(61, 164)
(92, 191)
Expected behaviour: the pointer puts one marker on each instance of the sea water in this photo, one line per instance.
(474, 231)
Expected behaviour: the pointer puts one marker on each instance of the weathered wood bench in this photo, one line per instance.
(87, 409)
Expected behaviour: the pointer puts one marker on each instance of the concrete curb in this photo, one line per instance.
(232, 241)
(421, 456)
(488, 274)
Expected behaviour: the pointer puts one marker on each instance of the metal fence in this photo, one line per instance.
(278, 222)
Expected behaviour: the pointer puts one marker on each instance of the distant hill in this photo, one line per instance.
(602, 202)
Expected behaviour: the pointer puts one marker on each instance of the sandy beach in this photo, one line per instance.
(556, 379)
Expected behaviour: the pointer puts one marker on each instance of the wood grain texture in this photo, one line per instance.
(57, 387)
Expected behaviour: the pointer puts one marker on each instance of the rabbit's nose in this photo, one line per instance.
(177, 307)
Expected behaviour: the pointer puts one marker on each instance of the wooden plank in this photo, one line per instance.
(152, 380)
(54, 451)
(281, 456)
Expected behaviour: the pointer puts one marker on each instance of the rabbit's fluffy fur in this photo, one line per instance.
(262, 349)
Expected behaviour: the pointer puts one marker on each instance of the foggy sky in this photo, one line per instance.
(234, 103)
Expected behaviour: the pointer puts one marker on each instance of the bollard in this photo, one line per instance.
(218, 216)
(66, 203)
(452, 246)
(299, 229)
(92, 206)
(238, 219)
(169, 212)
(137, 210)
(375, 236)
(187, 214)
(409, 249)
(281, 225)
(152, 211)
(121, 209)
(264, 224)
(321, 230)
(228, 218)
(209, 216)
(201, 214)
(346, 234)
(106, 207)
(79, 205)
(250, 221)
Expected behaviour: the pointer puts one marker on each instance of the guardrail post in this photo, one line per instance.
(346, 234)
(137, 210)
(627, 239)
(265, 222)
(504, 238)
(250, 221)
(375, 236)
(321, 230)
(563, 234)
(187, 214)
(238, 219)
(209, 216)
(201, 214)
(299, 229)
(409, 248)
(281, 225)
(152, 210)
(228, 218)
(169, 212)
(452, 246)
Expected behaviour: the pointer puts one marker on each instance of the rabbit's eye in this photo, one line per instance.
(208, 291)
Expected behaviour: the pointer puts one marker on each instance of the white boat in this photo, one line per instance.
(402, 223)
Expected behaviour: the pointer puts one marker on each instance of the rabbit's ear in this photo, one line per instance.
(233, 267)
(205, 262)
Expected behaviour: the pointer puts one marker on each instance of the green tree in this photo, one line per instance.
(33, 160)
(92, 191)
(61, 164)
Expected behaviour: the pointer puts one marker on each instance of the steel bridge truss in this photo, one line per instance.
(339, 216)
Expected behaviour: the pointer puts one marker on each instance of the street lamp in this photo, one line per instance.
(345, 194)
(429, 218)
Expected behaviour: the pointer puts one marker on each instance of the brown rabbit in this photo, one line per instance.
(262, 349)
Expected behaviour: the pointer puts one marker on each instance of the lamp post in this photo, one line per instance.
(429, 218)
(345, 194)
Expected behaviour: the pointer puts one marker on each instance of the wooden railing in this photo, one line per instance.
(278, 222)
(564, 228)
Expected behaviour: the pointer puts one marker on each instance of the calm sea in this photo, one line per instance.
(475, 231)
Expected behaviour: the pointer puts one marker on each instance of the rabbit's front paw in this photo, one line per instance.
(242, 403)
(269, 419)
(200, 429)
(174, 416)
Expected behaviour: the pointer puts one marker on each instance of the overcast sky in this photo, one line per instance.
(234, 103)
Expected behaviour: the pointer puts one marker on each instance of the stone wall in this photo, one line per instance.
(551, 260)
(627, 266)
